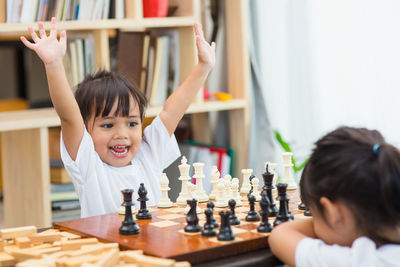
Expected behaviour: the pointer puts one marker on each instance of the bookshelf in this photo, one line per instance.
(24, 134)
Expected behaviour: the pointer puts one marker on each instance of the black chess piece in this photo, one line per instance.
(283, 197)
(251, 177)
(129, 226)
(211, 205)
(252, 215)
(225, 231)
(209, 229)
(265, 226)
(307, 212)
(302, 206)
(143, 212)
(233, 219)
(191, 218)
(268, 186)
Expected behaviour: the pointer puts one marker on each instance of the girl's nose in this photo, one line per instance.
(121, 133)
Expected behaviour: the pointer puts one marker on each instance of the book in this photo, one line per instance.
(133, 9)
(8, 73)
(73, 54)
(130, 56)
(3, 11)
(28, 13)
(119, 9)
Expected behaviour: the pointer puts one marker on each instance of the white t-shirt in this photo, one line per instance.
(99, 185)
(314, 252)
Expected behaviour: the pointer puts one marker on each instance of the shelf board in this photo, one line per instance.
(129, 24)
(47, 117)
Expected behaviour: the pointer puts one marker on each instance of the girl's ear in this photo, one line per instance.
(333, 212)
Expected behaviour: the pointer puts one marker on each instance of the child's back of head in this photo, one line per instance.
(356, 166)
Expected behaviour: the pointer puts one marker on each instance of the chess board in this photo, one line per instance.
(163, 235)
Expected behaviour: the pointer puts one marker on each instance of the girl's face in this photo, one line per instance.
(117, 139)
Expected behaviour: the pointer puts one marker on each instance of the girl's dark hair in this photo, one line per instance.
(97, 93)
(344, 166)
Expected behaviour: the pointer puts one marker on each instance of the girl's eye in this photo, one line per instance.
(132, 124)
(107, 125)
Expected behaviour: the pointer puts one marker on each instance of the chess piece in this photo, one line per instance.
(225, 231)
(193, 195)
(272, 166)
(143, 212)
(283, 213)
(211, 206)
(302, 206)
(164, 202)
(265, 226)
(287, 171)
(267, 188)
(129, 226)
(214, 181)
(191, 218)
(220, 201)
(233, 219)
(235, 191)
(209, 228)
(199, 176)
(252, 215)
(228, 190)
(245, 189)
(307, 212)
(255, 182)
(184, 195)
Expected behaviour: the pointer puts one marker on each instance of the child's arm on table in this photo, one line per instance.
(285, 238)
(176, 105)
(51, 51)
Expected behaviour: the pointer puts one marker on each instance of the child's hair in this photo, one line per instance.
(356, 166)
(97, 93)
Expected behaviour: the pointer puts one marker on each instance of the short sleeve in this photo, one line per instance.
(157, 143)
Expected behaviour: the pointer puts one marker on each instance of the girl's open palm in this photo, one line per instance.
(206, 52)
(48, 48)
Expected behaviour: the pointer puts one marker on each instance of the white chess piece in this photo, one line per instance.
(215, 174)
(164, 202)
(287, 173)
(227, 191)
(220, 202)
(235, 189)
(255, 182)
(185, 177)
(192, 190)
(246, 186)
(199, 176)
(272, 167)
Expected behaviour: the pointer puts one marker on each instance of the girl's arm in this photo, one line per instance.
(285, 238)
(51, 51)
(176, 105)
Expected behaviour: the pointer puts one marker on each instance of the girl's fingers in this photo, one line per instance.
(33, 34)
(26, 42)
(63, 38)
(53, 31)
(41, 30)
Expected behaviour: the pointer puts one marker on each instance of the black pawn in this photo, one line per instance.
(252, 215)
(233, 219)
(143, 212)
(225, 231)
(307, 212)
(129, 226)
(268, 186)
(211, 205)
(302, 206)
(265, 226)
(283, 197)
(191, 218)
(209, 229)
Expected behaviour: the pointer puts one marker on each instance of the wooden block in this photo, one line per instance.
(6, 259)
(77, 243)
(182, 264)
(78, 261)
(1, 245)
(22, 242)
(49, 231)
(109, 258)
(45, 238)
(45, 262)
(48, 250)
(17, 232)
(70, 235)
(93, 249)
(42, 246)
(147, 261)
(23, 254)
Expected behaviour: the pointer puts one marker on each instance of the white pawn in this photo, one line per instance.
(164, 202)
(235, 189)
(228, 190)
(199, 176)
(184, 171)
(287, 171)
(246, 186)
(215, 174)
(192, 190)
(255, 182)
(221, 201)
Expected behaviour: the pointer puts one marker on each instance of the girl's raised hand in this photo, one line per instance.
(48, 48)
(206, 52)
